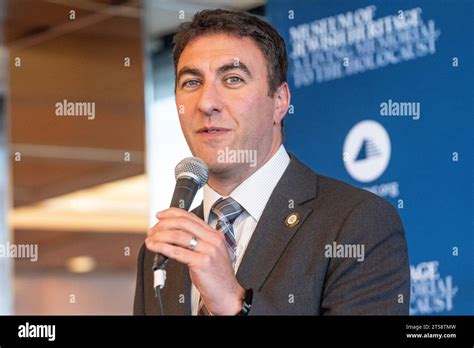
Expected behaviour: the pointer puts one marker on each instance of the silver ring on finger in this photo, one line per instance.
(193, 243)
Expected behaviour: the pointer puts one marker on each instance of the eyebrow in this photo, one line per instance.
(223, 69)
(231, 66)
(189, 71)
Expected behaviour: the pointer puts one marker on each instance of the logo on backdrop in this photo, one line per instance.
(366, 151)
(430, 292)
(366, 155)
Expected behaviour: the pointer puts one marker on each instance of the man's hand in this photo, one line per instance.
(209, 263)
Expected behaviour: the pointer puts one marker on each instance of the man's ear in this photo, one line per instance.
(282, 102)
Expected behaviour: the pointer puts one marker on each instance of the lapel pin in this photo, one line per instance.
(292, 220)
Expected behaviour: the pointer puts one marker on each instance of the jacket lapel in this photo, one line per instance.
(275, 228)
(179, 283)
(199, 212)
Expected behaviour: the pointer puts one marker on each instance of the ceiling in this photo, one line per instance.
(80, 60)
(116, 207)
(162, 16)
(60, 164)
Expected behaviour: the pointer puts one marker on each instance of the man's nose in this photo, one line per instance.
(209, 102)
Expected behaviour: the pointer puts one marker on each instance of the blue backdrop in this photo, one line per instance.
(382, 98)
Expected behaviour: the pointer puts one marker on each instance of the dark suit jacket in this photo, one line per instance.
(287, 267)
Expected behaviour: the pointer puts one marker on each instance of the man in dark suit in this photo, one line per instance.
(271, 236)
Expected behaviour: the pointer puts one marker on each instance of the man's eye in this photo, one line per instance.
(190, 83)
(233, 80)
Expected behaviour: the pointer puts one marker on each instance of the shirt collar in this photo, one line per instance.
(254, 193)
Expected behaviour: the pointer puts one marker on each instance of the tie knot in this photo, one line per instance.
(227, 208)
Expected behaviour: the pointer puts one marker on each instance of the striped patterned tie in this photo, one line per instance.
(226, 210)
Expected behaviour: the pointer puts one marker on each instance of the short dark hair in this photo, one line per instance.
(240, 24)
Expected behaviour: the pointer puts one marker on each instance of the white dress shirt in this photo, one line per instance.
(253, 195)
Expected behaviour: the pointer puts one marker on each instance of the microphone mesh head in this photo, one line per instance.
(194, 168)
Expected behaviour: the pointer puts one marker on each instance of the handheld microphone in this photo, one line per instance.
(191, 174)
